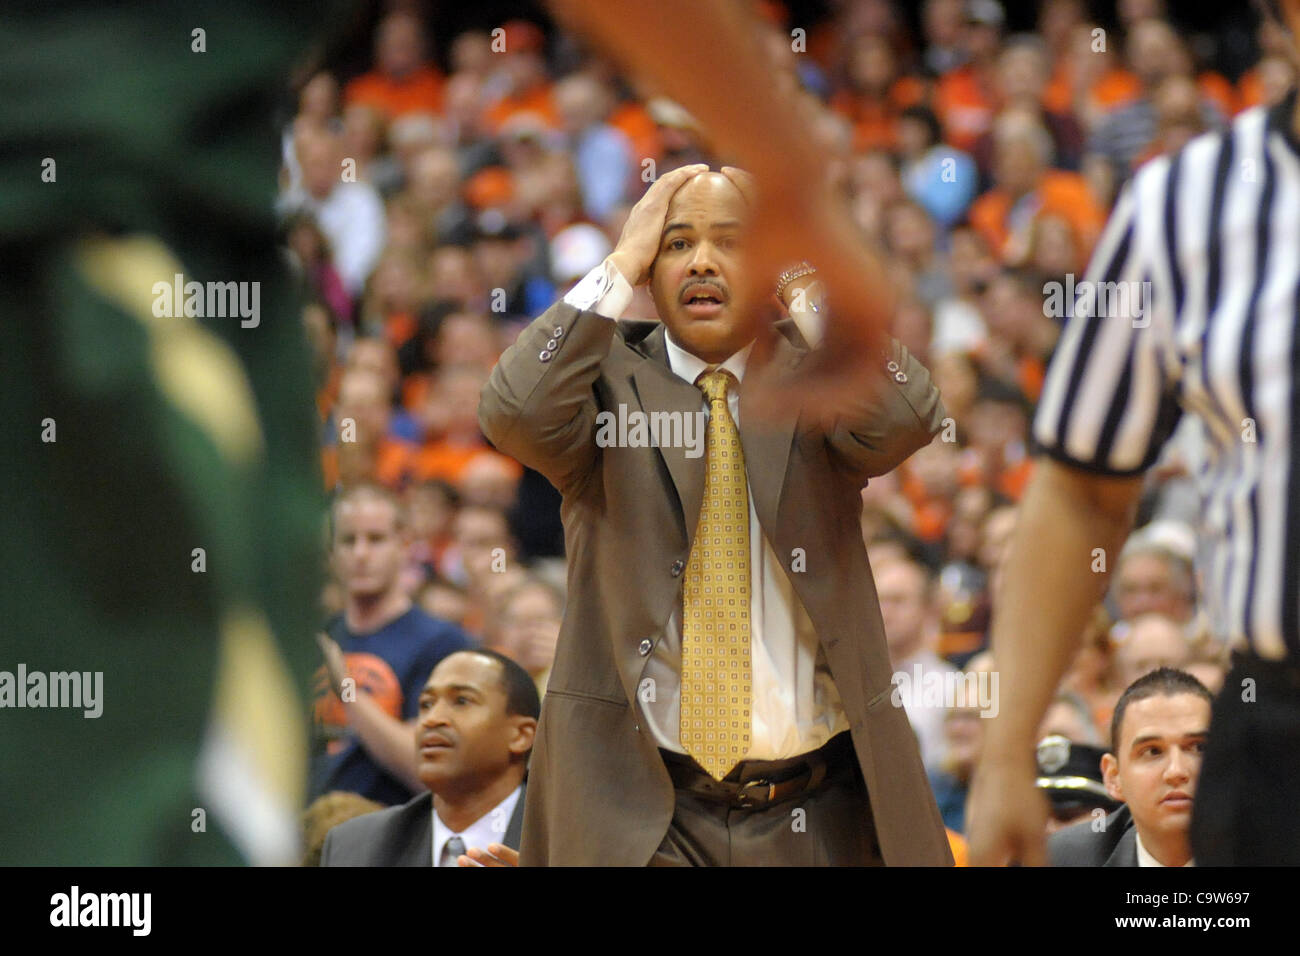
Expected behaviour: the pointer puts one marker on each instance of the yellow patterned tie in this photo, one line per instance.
(715, 712)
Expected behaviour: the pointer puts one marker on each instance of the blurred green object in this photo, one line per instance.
(170, 434)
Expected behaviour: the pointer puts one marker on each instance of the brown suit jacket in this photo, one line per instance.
(599, 793)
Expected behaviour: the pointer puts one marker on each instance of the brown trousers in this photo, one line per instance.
(829, 825)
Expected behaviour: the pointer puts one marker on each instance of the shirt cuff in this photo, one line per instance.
(603, 290)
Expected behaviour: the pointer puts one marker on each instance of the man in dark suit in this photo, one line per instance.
(1158, 733)
(477, 718)
(721, 691)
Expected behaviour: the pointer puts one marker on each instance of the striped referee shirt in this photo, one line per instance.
(1191, 303)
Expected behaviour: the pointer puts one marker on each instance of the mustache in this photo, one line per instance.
(716, 284)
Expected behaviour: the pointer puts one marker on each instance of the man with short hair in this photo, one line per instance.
(478, 716)
(678, 729)
(1151, 577)
(384, 646)
(1158, 733)
(1153, 641)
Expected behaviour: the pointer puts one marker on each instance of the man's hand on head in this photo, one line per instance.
(639, 243)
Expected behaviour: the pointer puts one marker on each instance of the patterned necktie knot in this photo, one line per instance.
(715, 383)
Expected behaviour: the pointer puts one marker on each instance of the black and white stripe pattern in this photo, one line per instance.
(1215, 230)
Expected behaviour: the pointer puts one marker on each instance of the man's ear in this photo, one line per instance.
(1110, 773)
(525, 732)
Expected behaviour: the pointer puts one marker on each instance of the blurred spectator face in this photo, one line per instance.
(363, 132)
(453, 274)
(1010, 309)
(914, 136)
(1177, 105)
(411, 134)
(1208, 673)
(942, 20)
(498, 261)
(963, 732)
(407, 229)
(1155, 52)
(872, 173)
(444, 602)
(396, 283)
(913, 326)
(433, 179)
(582, 102)
(1021, 153)
(1153, 641)
(980, 40)
(529, 627)
(489, 480)
(970, 508)
(479, 532)
(1131, 11)
(364, 399)
(996, 535)
(465, 738)
(970, 261)
(1057, 18)
(936, 467)
(430, 512)
(910, 232)
(954, 376)
(465, 338)
(522, 63)
(369, 548)
(471, 53)
(1023, 72)
(903, 589)
(319, 156)
(1149, 582)
(307, 243)
(994, 426)
(320, 335)
(399, 45)
(377, 357)
(871, 65)
(1156, 762)
(462, 103)
(319, 98)
(1276, 76)
(1054, 251)
(1070, 721)
(452, 407)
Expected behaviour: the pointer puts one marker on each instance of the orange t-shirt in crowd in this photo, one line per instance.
(1215, 88)
(1113, 89)
(419, 92)
(399, 327)
(1250, 90)
(1059, 193)
(964, 107)
(444, 461)
(957, 843)
(929, 515)
(536, 100)
(394, 463)
(875, 121)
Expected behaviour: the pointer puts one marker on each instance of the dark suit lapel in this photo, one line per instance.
(659, 390)
(413, 841)
(1126, 849)
(516, 827)
(767, 441)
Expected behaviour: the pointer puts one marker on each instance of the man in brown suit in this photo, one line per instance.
(804, 760)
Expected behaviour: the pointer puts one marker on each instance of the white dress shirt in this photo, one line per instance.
(489, 828)
(795, 707)
(1144, 855)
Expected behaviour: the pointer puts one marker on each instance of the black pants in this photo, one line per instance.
(829, 825)
(1246, 811)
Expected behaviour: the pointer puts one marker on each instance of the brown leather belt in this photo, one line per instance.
(755, 784)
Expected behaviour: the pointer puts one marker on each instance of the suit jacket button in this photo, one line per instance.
(552, 344)
(645, 647)
(544, 355)
(558, 331)
(892, 366)
(678, 567)
(901, 378)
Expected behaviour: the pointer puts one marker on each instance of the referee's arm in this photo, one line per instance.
(1105, 411)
